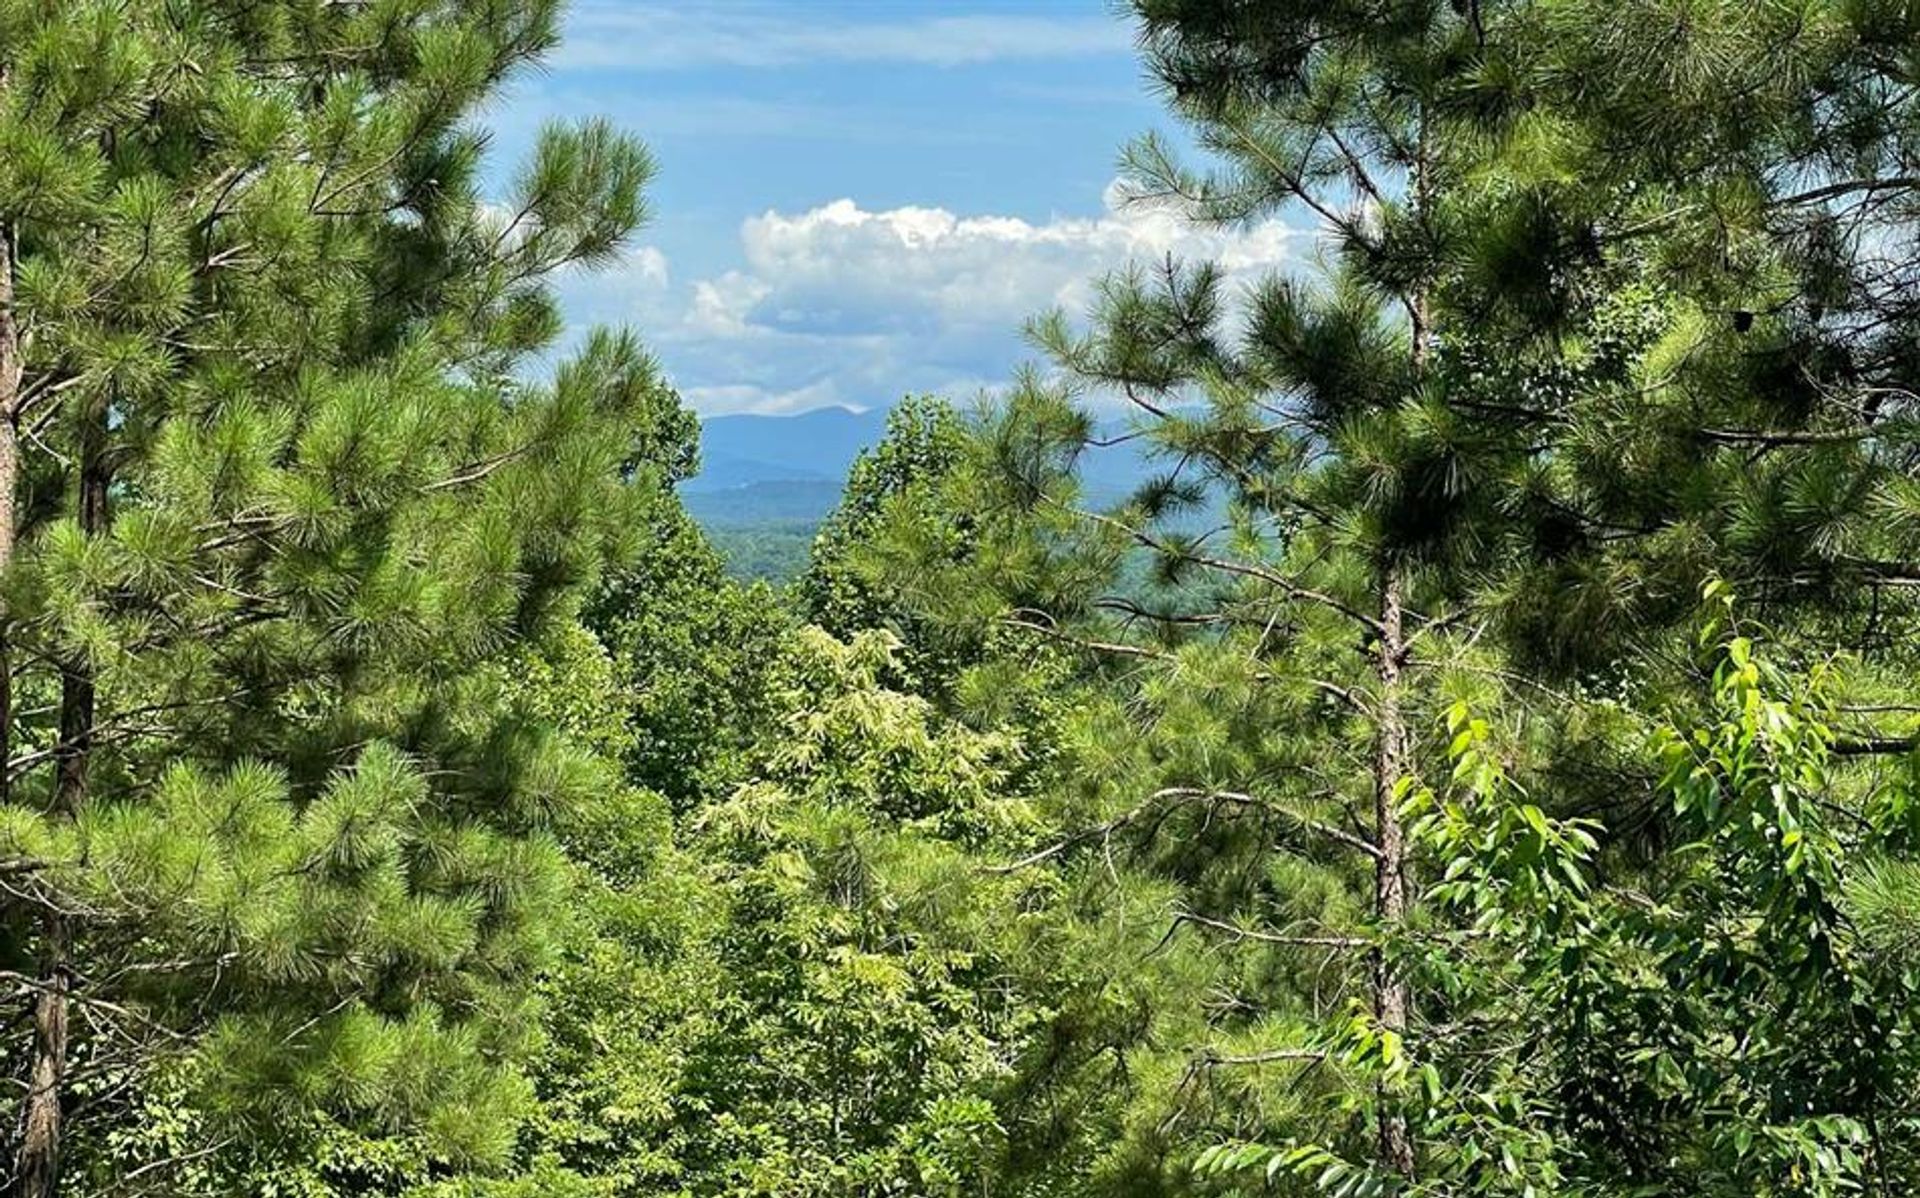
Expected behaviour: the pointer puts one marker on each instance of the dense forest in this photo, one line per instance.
(1477, 756)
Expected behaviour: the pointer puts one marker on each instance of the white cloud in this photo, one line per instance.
(841, 304)
(842, 269)
(721, 305)
(650, 265)
(634, 290)
(661, 37)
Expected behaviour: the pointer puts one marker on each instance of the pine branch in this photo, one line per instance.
(1772, 439)
(1264, 937)
(1173, 797)
(1848, 187)
(1243, 569)
(1210, 1059)
(1118, 649)
(480, 470)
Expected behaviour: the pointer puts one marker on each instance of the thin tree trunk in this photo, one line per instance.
(1390, 765)
(37, 1169)
(34, 1172)
(11, 371)
(1393, 761)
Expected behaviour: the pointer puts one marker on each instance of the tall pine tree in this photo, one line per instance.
(1612, 306)
(1323, 492)
(271, 492)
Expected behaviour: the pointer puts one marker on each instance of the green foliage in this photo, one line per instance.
(814, 986)
(402, 799)
(1718, 1025)
(774, 552)
(279, 503)
(695, 654)
(1577, 344)
(892, 505)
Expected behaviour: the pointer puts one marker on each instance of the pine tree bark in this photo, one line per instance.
(12, 370)
(37, 1168)
(49, 1017)
(1393, 999)
(1390, 765)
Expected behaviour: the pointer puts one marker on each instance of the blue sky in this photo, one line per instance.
(860, 198)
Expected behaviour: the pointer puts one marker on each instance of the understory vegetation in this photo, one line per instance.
(1478, 758)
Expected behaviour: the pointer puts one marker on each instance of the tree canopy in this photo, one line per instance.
(1478, 757)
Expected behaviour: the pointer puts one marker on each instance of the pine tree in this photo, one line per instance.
(1608, 310)
(1584, 336)
(273, 492)
(1729, 221)
(1327, 492)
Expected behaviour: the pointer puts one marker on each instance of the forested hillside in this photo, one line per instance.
(1440, 720)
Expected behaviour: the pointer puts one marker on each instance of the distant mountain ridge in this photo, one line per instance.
(765, 470)
(759, 470)
(820, 445)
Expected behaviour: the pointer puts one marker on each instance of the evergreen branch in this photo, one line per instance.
(176, 965)
(429, 119)
(28, 982)
(1771, 439)
(1649, 227)
(1357, 167)
(43, 898)
(480, 470)
(1209, 1059)
(1134, 611)
(43, 389)
(1173, 797)
(225, 182)
(1119, 649)
(1885, 573)
(1849, 187)
(236, 592)
(1241, 933)
(117, 729)
(1513, 676)
(1294, 183)
(1243, 569)
(1307, 823)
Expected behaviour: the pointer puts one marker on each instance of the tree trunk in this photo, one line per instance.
(37, 1169)
(1390, 765)
(11, 371)
(1393, 761)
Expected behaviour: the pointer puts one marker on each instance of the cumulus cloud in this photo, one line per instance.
(843, 304)
(840, 268)
(663, 37)
(649, 265)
